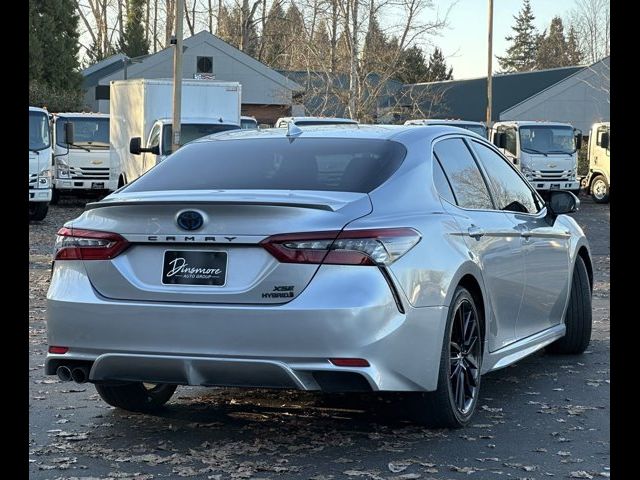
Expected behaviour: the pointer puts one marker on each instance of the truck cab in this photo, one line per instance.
(545, 152)
(159, 143)
(248, 123)
(83, 166)
(39, 163)
(598, 181)
(475, 127)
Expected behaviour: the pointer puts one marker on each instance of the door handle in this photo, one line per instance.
(475, 232)
(525, 233)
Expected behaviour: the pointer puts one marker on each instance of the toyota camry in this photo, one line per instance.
(375, 258)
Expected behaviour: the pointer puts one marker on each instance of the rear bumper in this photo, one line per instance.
(277, 346)
(39, 194)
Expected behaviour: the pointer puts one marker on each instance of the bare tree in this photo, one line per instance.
(591, 20)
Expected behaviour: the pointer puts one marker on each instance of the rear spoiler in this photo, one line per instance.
(267, 203)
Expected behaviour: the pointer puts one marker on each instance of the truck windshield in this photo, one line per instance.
(192, 131)
(547, 139)
(38, 131)
(87, 132)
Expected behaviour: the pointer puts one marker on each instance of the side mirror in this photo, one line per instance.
(604, 140)
(135, 145)
(559, 203)
(155, 150)
(500, 139)
(68, 133)
(578, 141)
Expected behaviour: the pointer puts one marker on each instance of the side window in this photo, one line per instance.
(154, 136)
(461, 170)
(441, 182)
(601, 130)
(511, 146)
(510, 191)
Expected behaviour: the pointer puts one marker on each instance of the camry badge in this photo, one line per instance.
(190, 220)
(552, 165)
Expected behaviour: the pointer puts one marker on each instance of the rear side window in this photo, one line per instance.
(463, 174)
(325, 164)
(441, 182)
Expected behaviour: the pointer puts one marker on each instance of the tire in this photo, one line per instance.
(439, 409)
(55, 196)
(38, 211)
(600, 189)
(135, 396)
(578, 316)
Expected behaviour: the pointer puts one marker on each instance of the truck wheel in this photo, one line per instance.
(136, 396)
(600, 189)
(38, 210)
(55, 196)
(453, 403)
(578, 316)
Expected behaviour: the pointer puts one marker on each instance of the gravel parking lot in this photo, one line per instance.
(545, 417)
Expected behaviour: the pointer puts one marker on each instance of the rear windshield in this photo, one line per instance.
(326, 164)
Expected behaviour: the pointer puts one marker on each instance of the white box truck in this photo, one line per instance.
(85, 165)
(545, 152)
(39, 163)
(141, 110)
(598, 181)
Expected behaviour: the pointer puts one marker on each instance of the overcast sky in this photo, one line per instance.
(464, 43)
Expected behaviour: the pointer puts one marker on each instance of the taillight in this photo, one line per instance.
(348, 247)
(77, 244)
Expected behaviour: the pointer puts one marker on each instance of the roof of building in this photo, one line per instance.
(110, 65)
(467, 99)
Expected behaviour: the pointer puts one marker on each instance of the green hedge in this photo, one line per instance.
(54, 100)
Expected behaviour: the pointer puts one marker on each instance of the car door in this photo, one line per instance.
(545, 247)
(490, 236)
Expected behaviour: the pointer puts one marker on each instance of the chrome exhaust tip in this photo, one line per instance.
(64, 373)
(80, 374)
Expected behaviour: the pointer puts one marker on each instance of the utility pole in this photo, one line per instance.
(490, 66)
(177, 76)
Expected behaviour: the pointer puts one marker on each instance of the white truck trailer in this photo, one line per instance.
(141, 111)
(598, 181)
(545, 152)
(83, 167)
(39, 163)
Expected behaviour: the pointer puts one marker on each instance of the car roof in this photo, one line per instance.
(403, 133)
(37, 109)
(318, 119)
(435, 121)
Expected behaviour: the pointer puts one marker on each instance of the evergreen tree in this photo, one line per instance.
(521, 55)
(296, 38)
(553, 48)
(413, 66)
(375, 47)
(133, 42)
(53, 55)
(275, 43)
(320, 38)
(437, 67)
(574, 54)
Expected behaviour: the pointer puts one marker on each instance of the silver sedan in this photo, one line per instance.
(377, 258)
